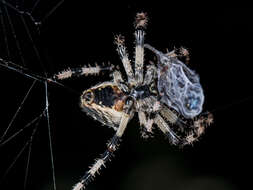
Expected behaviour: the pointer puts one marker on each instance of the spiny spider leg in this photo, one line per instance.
(117, 79)
(185, 53)
(146, 123)
(85, 70)
(198, 128)
(121, 49)
(147, 108)
(139, 56)
(107, 155)
(164, 127)
(195, 130)
(150, 74)
(140, 24)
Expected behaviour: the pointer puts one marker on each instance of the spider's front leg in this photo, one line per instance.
(111, 148)
(139, 56)
(140, 24)
(121, 49)
(117, 79)
(85, 70)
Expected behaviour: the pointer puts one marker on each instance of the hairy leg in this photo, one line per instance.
(85, 70)
(139, 56)
(146, 122)
(106, 156)
(119, 40)
(164, 127)
(141, 21)
(150, 74)
(191, 130)
(117, 79)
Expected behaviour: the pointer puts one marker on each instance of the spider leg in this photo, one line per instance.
(146, 109)
(194, 130)
(141, 21)
(185, 53)
(198, 129)
(164, 127)
(121, 49)
(76, 72)
(146, 123)
(139, 56)
(117, 78)
(150, 74)
(107, 155)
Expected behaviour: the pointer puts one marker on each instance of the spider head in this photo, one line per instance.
(104, 102)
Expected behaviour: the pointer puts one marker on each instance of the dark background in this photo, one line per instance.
(219, 38)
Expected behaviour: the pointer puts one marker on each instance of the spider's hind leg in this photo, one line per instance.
(198, 128)
(164, 127)
(189, 131)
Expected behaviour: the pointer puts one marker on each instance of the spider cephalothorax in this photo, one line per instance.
(167, 95)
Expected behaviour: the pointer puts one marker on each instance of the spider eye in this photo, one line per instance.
(88, 97)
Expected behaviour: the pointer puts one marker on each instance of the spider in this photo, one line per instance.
(168, 95)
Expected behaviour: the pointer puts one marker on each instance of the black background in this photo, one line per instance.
(219, 38)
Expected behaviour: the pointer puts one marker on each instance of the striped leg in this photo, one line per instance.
(150, 74)
(198, 128)
(141, 21)
(117, 78)
(146, 109)
(99, 163)
(85, 70)
(191, 130)
(139, 56)
(164, 127)
(185, 53)
(146, 123)
(119, 40)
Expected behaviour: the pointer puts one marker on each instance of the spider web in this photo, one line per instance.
(21, 28)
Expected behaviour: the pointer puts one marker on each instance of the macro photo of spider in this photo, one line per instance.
(168, 95)
(121, 95)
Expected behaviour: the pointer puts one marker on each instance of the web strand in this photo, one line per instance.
(23, 129)
(8, 26)
(33, 45)
(35, 5)
(50, 137)
(29, 155)
(18, 155)
(4, 33)
(13, 32)
(52, 11)
(17, 112)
